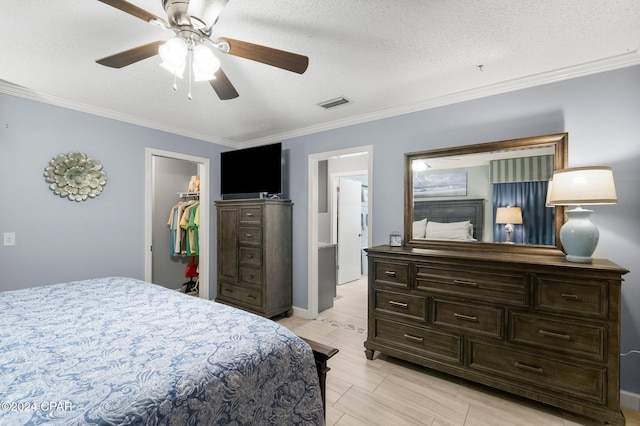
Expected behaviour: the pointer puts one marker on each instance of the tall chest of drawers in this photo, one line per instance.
(255, 255)
(535, 326)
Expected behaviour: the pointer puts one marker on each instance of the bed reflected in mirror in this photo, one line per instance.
(452, 195)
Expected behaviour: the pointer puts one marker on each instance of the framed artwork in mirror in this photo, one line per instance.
(427, 183)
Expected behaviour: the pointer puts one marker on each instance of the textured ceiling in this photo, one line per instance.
(388, 58)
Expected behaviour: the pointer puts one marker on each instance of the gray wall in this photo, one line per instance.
(602, 115)
(58, 240)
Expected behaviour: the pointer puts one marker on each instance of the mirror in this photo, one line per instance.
(452, 196)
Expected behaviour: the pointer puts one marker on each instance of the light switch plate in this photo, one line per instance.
(9, 239)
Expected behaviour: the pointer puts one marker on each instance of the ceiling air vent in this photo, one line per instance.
(334, 103)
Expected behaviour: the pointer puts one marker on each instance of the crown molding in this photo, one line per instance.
(589, 68)
(594, 67)
(21, 92)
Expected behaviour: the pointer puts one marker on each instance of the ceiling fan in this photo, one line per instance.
(191, 48)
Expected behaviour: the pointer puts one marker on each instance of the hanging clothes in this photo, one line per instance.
(189, 244)
(183, 223)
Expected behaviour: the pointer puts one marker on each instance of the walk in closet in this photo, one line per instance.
(183, 224)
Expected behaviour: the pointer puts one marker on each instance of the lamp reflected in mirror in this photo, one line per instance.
(509, 216)
(577, 187)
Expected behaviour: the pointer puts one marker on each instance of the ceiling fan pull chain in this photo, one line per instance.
(190, 62)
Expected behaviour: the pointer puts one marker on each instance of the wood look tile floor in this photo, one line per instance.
(389, 391)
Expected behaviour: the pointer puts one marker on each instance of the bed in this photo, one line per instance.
(122, 351)
(454, 220)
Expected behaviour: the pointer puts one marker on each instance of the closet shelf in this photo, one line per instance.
(188, 194)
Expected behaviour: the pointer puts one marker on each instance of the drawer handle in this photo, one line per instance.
(251, 276)
(414, 338)
(251, 297)
(249, 256)
(227, 290)
(531, 368)
(569, 296)
(552, 334)
(398, 304)
(249, 235)
(250, 214)
(465, 283)
(464, 317)
(390, 273)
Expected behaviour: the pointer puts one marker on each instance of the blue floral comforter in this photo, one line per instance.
(121, 351)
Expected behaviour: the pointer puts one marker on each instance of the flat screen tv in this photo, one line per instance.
(247, 173)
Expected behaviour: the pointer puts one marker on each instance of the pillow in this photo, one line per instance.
(419, 228)
(458, 231)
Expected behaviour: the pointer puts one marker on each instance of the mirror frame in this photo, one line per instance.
(560, 142)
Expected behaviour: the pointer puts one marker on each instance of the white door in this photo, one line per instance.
(349, 230)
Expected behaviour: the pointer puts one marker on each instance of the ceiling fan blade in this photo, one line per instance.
(134, 10)
(266, 55)
(131, 56)
(223, 86)
(206, 11)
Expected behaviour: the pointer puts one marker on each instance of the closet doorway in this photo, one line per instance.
(321, 204)
(167, 179)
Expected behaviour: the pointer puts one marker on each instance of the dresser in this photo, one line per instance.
(255, 255)
(536, 326)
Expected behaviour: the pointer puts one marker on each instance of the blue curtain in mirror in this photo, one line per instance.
(537, 220)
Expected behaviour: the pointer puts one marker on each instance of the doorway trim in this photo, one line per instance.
(312, 219)
(204, 173)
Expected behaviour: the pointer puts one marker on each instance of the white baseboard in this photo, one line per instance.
(630, 400)
(302, 313)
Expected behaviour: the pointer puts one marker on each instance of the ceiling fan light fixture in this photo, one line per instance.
(174, 52)
(205, 63)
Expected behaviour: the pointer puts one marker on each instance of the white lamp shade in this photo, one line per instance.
(174, 55)
(205, 63)
(583, 186)
(511, 215)
(547, 202)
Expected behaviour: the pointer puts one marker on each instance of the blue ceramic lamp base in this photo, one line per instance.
(579, 236)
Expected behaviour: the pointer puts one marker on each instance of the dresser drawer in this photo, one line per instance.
(468, 318)
(568, 379)
(252, 276)
(391, 273)
(250, 256)
(559, 336)
(507, 287)
(582, 298)
(251, 235)
(419, 340)
(251, 215)
(407, 305)
(241, 294)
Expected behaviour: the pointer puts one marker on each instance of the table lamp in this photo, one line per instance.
(577, 187)
(509, 216)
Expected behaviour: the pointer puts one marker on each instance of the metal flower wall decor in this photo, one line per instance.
(76, 176)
